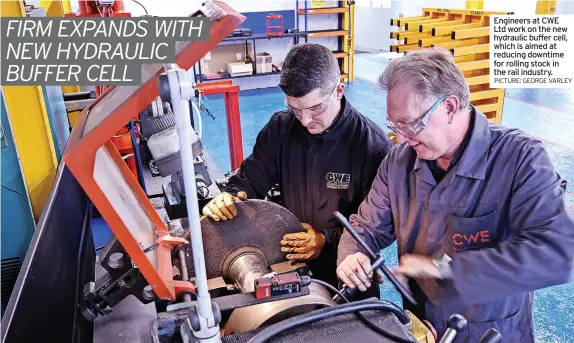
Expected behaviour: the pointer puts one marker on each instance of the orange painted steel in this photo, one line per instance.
(231, 95)
(91, 157)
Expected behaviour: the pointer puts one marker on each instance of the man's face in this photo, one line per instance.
(315, 111)
(404, 108)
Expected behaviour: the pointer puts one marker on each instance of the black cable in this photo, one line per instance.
(323, 283)
(364, 319)
(329, 312)
(137, 2)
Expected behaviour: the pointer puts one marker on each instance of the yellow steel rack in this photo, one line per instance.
(466, 34)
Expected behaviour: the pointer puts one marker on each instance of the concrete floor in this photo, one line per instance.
(547, 114)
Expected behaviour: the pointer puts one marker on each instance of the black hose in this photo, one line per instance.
(139, 3)
(135, 147)
(364, 319)
(328, 312)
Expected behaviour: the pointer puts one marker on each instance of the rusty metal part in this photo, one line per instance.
(259, 226)
(252, 317)
(247, 267)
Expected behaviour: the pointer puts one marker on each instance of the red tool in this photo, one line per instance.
(278, 284)
(274, 30)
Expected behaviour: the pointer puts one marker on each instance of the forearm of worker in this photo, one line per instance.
(373, 221)
(541, 251)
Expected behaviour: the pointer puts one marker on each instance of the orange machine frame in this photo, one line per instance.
(231, 96)
(87, 140)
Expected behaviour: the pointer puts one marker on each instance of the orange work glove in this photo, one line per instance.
(305, 245)
(222, 207)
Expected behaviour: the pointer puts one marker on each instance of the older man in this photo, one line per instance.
(321, 151)
(477, 209)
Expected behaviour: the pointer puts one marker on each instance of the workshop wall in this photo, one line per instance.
(277, 47)
(371, 34)
(519, 7)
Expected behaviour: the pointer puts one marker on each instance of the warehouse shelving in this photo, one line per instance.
(253, 38)
(344, 33)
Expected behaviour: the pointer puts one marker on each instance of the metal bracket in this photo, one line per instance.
(121, 279)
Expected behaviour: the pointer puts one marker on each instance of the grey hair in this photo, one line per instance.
(432, 72)
(307, 67)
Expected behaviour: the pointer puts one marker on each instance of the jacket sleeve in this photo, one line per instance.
(541, 251)
(258, 172)
(373, 221)
(372, 163)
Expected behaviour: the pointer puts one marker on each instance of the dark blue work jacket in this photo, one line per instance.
(499, 213)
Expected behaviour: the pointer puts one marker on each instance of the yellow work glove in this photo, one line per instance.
(222, 207)
(305, 245)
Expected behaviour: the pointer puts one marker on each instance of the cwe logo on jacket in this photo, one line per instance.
(338, 180)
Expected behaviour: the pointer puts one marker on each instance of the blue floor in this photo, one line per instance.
(547, 114)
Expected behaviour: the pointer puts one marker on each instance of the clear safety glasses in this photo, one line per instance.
(313, 111)
(415, 128)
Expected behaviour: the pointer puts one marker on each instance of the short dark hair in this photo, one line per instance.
(307, 67)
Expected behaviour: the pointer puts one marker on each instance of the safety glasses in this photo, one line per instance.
(416, 127)
(313, 111)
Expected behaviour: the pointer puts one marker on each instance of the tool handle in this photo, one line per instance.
(455, 324)
(347, 293)
(379, 260)
(355, 235)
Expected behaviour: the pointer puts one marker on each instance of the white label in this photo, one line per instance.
(532, 51)
(238, 56)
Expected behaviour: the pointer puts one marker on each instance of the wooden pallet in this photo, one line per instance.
(466, 34)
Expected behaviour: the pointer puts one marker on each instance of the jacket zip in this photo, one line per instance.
(313, 190)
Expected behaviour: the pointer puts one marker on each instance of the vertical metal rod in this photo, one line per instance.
(306, 23)
(183, 271)
(135, 146)
(181, 93)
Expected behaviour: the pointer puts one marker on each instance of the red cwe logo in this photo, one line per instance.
(479, 237)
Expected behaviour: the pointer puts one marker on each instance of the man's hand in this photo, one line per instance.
(356, 272)
(305, 245)
(222, 207)
(417, 267)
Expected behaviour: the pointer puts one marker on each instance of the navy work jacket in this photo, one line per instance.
(317, 174)
(499, 213)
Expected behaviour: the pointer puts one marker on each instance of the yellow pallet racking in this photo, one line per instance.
(345, 32)
(466, 34)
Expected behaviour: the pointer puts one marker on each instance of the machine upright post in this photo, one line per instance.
(234, 129)
(180, 92)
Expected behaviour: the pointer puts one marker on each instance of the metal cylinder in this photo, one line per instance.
(252, 317)
(183, 271)
(245, 269)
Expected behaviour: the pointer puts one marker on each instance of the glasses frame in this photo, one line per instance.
(413, 129)
(320, 108)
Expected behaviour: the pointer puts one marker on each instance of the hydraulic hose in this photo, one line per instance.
(329, 312)
(365, 320)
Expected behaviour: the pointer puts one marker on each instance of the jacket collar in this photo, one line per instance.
(338, 125)
(473, 161)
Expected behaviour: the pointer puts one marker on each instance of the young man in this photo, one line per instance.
(322, 153)
(477, 209)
